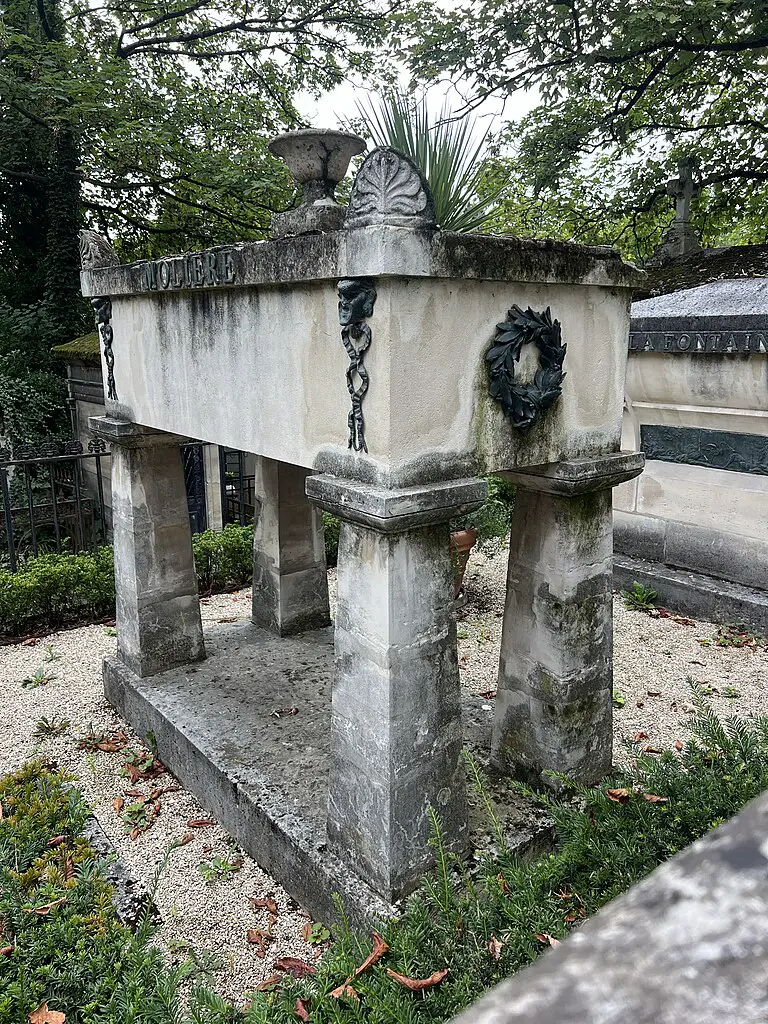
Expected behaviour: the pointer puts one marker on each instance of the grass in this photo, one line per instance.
(479, 927)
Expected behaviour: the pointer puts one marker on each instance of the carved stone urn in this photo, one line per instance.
(318, 160)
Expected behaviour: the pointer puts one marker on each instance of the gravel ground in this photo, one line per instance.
(654, 657)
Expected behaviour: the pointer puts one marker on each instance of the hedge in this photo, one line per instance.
(53, 590)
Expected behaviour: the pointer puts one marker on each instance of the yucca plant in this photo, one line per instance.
(447, 149)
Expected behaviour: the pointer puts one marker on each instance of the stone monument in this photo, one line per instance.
(382, 367)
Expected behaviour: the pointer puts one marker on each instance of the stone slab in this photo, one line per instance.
(701, 597)
(579, 476)
(263, 775)
(734, 297)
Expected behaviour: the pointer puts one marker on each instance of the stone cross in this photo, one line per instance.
(681, 237)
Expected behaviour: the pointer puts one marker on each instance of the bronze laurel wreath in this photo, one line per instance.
(523, 403)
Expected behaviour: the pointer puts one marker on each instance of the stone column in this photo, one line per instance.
(554, 699)
(396, 724)
(290, 580)
(158, 613)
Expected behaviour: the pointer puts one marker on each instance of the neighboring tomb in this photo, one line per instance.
(382, 369)
(697, 406)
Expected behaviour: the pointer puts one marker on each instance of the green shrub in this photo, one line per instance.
(331, 528)
(493, 519)
(52, 590)
(223, 558)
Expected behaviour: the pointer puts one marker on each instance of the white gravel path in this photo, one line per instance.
(653, 659)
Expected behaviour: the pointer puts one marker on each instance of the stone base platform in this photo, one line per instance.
(227, 729)
(691, 593)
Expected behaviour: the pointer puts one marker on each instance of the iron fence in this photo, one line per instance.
(47, 502)
(238, 499)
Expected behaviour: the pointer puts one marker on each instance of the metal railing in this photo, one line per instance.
(46, 504)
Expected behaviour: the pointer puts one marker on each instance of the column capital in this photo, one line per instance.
(396, 510)
(579, 476)
(131, 435)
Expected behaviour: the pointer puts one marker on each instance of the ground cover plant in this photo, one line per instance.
(466, 929)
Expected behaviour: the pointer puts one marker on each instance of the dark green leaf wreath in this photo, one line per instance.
(524, 402)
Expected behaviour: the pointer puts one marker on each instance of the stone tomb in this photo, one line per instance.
(378, 367)
(695, 525)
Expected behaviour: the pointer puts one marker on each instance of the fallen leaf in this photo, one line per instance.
(42, 911)
(570, 918)
(306, 931)
(653, 693)
(418, 984)
(42, 1015)
(56, 841)
(640, 736)
(544, 937)
(653, 799)
(69, 869)
(682, 620)
(563, 894)
(694, 662)
(487, 694)
(640, 704)
(259, 939)
(267, 903)
(188, 838)
(380, 948)
(495, 947)
(200, 822)
(282, 712)
(678, 745)
(302, 1009)
(652, 750)
(29, 642)
(135, 792)
(6, 951)
(270, 984)
(231, 618)
(295, 967)
(618, 796)
(345, 990)
(503, 885)
(118, 803)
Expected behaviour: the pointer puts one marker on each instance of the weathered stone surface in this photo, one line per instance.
(709, 598)
(553, 705)
(290, 581)
(690, 943)
(579, 476)
(157, 608)
(396, 725)
(393, 510)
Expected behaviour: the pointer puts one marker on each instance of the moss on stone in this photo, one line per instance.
(81, 350)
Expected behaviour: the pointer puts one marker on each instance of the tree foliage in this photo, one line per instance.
(627, 88)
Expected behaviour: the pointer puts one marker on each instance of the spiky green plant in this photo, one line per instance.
(447, 149)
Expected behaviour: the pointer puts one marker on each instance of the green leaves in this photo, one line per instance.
(446, 149)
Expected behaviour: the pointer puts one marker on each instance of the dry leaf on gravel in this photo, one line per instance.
(260, 940)
(295, 967)
(118, 803)
(380, 948)
(200, 822)
(678, 745)
(270, 984)
(267, 903)
(188, 838)
(42, 1015)
(418, 984)
(639, 737)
